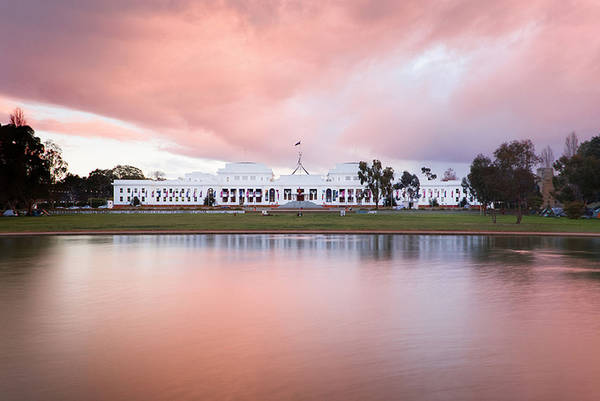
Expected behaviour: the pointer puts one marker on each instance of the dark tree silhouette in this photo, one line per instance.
(481, 183)
(578, 176)
(515, 161)
(24, 171)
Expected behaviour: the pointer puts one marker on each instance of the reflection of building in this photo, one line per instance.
(253, 184)
(546, 186)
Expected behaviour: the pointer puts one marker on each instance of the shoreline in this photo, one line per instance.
(288, 232)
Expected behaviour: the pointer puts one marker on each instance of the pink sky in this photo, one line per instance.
(435, 81)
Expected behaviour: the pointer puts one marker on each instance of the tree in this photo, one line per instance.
(578, 178)
(377, 180)
(58, 166)
(410, 184)
(24, 172)
(73, 188)
(17, 118)
(590, 148)
(99, 183)
(481, 182)
(126, 172)
(516, 181)
(427, 172)
(387, 187)
(449, 175)
(158, 175)
(571, 145)
(547, 157)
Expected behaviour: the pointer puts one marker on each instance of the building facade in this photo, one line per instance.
(254, 184)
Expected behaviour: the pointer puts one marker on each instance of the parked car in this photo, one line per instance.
(553, 212)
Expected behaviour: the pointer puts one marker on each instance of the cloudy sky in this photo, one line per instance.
(182, 85)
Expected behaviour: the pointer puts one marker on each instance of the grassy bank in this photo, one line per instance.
(405, 221)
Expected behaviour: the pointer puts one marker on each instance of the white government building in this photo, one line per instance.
(254, 184)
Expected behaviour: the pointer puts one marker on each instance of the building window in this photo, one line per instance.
(236, 178)
(120, 198)
(252, 177)
(244, 178)
(135, 190)
(348, 178)
(143, 198)
(121, 190)
(128, 190)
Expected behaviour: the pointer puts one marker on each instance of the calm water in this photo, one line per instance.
(263, 317)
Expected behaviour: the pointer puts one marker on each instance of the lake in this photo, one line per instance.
(307, 317)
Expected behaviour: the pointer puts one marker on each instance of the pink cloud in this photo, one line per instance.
(246, 79)
(91, 128)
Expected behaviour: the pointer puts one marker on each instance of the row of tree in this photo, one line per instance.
(31, 171)
(379, 182)
(508, 180)
(578, 178)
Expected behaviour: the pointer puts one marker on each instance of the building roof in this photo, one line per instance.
(345, 168)
(296, 179)
(245, 168)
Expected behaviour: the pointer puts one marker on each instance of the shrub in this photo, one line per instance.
(96, 202)
(434, 202)
(574, 210)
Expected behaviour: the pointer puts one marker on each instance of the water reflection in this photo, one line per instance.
(276, 317)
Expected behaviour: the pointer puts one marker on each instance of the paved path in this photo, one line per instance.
(336, 232)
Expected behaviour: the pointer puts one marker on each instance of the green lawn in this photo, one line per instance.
(310, 221)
